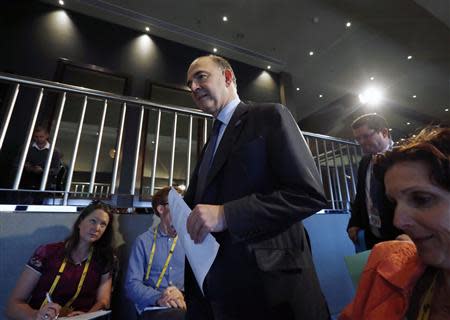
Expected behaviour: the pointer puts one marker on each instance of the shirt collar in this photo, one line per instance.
(160, 231)
(47, 146)
(226, 113)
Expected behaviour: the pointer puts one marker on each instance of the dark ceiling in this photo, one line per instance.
(281, 33)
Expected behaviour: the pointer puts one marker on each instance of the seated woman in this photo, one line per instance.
(411, 280)
(75, 275)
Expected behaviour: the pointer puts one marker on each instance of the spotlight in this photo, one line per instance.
(371, 96)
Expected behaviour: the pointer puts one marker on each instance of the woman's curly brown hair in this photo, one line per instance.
(431, 146)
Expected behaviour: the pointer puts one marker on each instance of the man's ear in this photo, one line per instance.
(160, 209)
(385, 132)
(228, 76)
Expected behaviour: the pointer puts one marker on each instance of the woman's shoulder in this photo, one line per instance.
(394, 259)
(50, 249)
(45, 253)
(393, 250)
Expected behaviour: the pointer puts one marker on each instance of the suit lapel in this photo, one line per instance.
(229, 137)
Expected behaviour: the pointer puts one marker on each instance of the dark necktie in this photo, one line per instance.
(207, 159)
(376, 192)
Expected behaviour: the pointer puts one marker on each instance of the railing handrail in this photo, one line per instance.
(132, 100)
(97, 93)
(329, 138)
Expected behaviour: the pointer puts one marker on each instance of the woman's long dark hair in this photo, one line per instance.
(103, 246)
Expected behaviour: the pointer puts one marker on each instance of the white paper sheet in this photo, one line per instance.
(200, 256)
(87, 316)
(154, 308)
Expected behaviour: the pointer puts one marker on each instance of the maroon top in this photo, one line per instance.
(47, 260)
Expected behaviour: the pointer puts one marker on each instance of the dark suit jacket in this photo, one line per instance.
(265, 177)
(359, 216)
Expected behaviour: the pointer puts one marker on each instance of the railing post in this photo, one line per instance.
(189, 151)
(75, 153)
(174, 141)
(118, 148)
(8, 114)
(53, 144)
(136, 155)
(155, 153)
(26, 147)
(97, 150)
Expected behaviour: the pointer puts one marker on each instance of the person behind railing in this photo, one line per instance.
(155, 275)
(36, 159)
(371, 212)
(403, 279)
(75, 274)
(35, 165)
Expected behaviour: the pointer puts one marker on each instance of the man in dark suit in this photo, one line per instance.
(371, 210)
(254, 183)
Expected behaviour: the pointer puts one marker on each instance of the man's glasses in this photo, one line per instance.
(364, 137)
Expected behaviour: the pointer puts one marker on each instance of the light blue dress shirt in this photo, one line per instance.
(142, 292)
(225, 116)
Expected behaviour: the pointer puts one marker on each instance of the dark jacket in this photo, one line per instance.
(264, 175)
(359, 216)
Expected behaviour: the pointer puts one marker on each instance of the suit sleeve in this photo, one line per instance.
(296, 191)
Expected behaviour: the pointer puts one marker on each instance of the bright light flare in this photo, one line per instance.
(371, 96)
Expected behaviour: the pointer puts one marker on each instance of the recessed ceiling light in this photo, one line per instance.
(269, 67)
(61, 2)
(348, 24)
(298, 89)
(413, 135)
(225, 18)
(390, 129)
(320, 95)
(408, 123)
(215, 49)
(446, 109)
(414, 96)
(147, 29)
(402, 139)
(409, 57)
(372, 78)
(311, 53)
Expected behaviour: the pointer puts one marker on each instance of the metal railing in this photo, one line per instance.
(336, 159)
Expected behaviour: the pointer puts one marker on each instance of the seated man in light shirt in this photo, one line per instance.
(155, 275)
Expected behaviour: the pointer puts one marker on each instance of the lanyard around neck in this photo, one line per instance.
(152, 255)
(425, 307)
(80, 283)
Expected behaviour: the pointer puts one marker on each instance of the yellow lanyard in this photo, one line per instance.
(152, 255)
(80, 284)
(425, 307)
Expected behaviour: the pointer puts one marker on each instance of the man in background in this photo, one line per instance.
(36, 159)
(371, 212)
